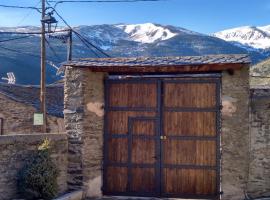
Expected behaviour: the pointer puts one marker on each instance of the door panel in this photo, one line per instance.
(118, 150)
(189, 182)
(117, 179)
(190, 95)
(143, 180)
(144, 127)
(189, 152)
(133, 95)
(189, 123)
(143, 151)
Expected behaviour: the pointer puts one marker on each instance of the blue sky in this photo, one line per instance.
(205, 16)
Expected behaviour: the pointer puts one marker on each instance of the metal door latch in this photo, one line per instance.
(163, 137)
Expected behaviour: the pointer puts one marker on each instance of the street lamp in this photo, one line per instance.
(49, 20)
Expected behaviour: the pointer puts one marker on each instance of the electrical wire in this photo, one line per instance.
(84, 40)
(101, 1)
(18, 38)
(53, 51)
(32, 33)
(22, 52)
(28, 14)
(20, 33)
(49, 62)
(89, 44)
(20, 7)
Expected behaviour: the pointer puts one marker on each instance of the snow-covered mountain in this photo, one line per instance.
(249, 37)
(150, 33)
(20, 29)
(147, 33)
(124, 40)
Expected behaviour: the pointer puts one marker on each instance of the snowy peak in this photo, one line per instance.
(250, 36)
(20, 29)
(147, 33)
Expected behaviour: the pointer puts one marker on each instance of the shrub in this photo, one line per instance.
(38, 178)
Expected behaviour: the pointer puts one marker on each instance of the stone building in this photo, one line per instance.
(19, 103)
(163, 127)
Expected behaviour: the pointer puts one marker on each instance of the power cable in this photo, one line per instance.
(101, 1)
(31, 33)
(20, 33)
(49, 62)
(28, 14)
(18, 38)
(20, 7)
(53, 51)
(86, 41)
(82, 40)
(21, 52)
(80, 36)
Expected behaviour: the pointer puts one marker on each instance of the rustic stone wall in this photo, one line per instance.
(83, 109)
(93, 134)
(235, 134)
(16, 149)
(18, 118)
(259, 172)
(73, 116)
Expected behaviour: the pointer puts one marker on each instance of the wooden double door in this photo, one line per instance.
(162, 137)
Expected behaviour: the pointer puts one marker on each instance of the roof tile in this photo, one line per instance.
(162, 61)
(30, 95)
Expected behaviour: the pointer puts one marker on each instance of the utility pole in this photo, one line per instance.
(69, 43)
(43, 69)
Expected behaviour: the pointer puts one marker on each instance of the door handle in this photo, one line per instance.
(163, 137)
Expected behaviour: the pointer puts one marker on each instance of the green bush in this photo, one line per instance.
(38, 178)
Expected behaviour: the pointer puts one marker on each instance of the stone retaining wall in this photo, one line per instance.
(16, 149)
(259, 172)
(235, 134)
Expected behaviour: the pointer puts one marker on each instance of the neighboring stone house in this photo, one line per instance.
(19, 103)
(162, 127)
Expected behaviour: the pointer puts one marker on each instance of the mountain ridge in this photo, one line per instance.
(257, 37)
(118, 40)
